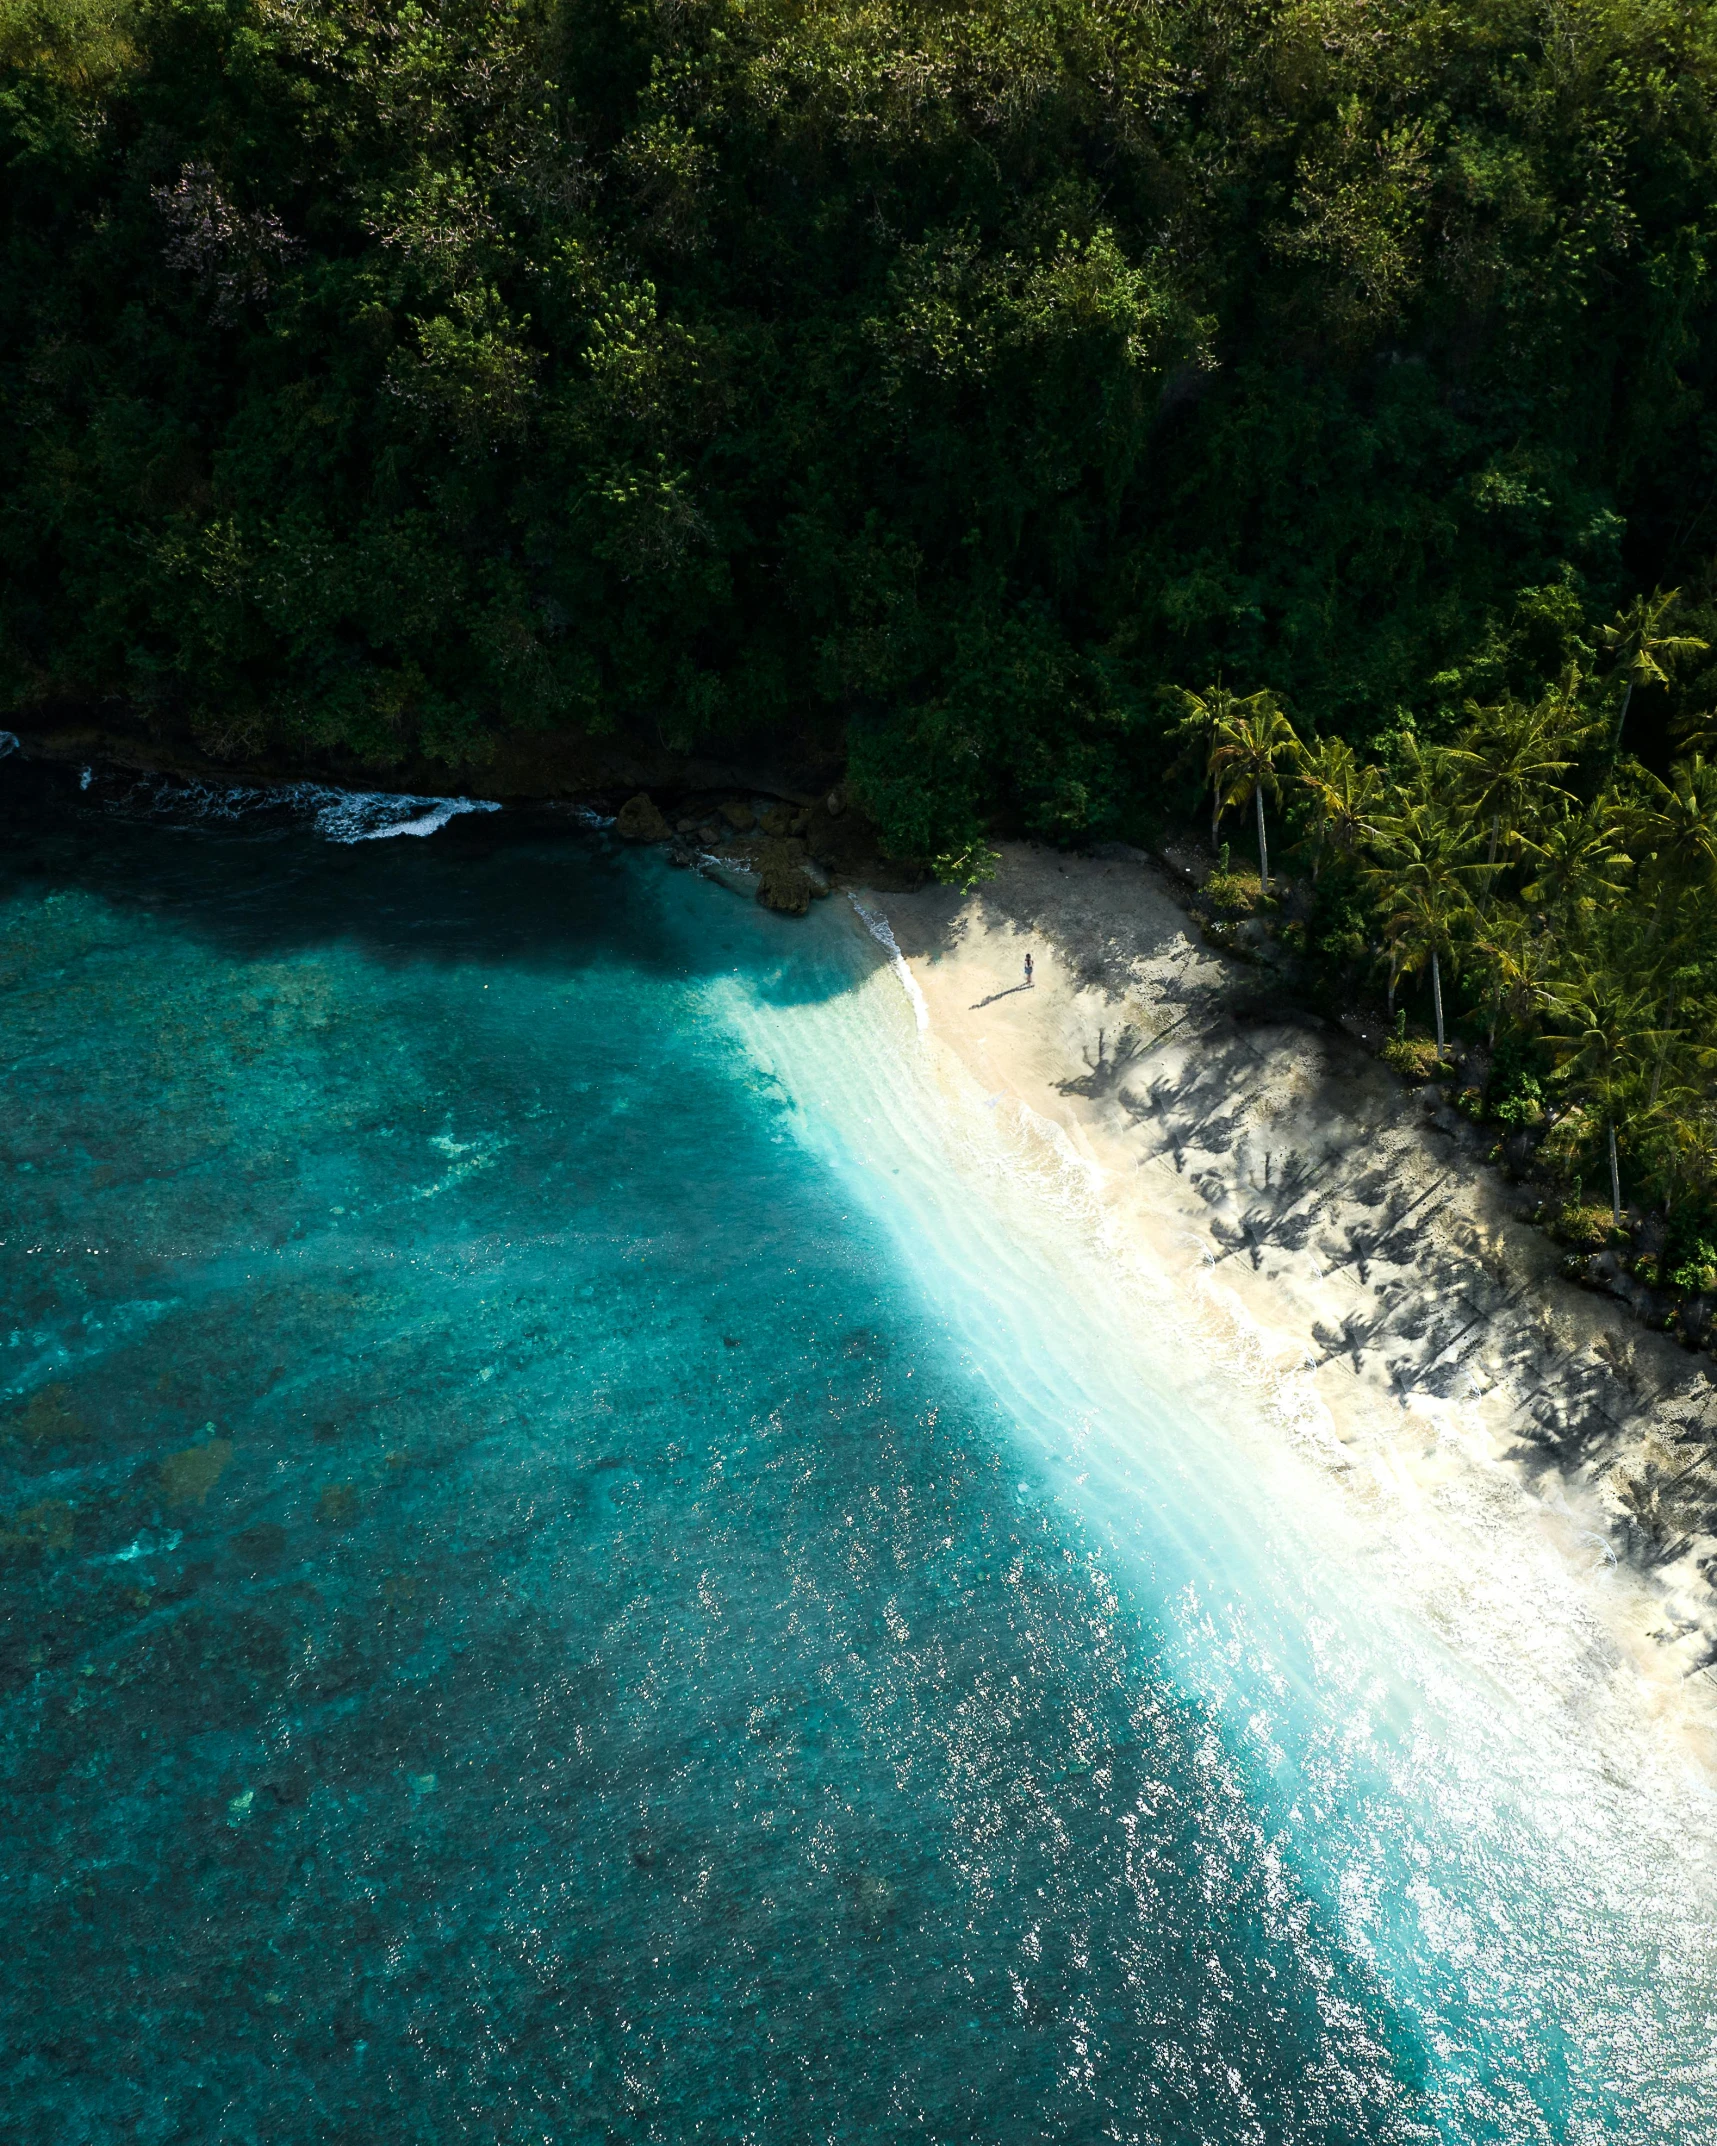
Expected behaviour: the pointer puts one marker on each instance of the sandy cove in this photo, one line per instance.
(1343, 1233)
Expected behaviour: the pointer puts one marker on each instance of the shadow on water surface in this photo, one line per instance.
(530, 888)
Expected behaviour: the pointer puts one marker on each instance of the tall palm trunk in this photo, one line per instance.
(1662, 1051)
(1615, 1179)
(1437, 997)
(1627, 695)
(1263, 845)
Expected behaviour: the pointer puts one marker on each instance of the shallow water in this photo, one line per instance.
(592, 1556)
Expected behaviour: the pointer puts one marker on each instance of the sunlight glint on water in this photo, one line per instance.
(595, 1549)
(1523, 1864)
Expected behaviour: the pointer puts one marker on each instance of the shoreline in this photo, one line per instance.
(1342, 1242)
(1331, 1231)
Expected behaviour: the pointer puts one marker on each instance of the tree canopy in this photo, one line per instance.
(1563, 898)
(937, 382)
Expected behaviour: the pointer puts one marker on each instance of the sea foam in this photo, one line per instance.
(378, 815)
(341, 816)
(883, 933)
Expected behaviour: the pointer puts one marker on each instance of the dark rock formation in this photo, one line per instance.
(640, 821)
(782, 880)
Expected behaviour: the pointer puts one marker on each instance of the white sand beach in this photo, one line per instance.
(1342, 1244)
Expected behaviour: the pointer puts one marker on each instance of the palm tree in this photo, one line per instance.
(1424, 918)
(1521, 955)
(1508, 760)
(1681, 979)
(1645, 653)
(1602, 1031)
(1578, 859)
(1247, 742)
(1345, 794)
(1691, 1139)
(1202, 715)
(1680, 823)
(1424, 855)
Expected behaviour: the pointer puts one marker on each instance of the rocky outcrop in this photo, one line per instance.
(783, 881)
(640, 820)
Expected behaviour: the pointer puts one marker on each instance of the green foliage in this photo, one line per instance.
(1414, 1057)
(946, 388)
(1587, 1228)
(1339, 930)
(1562, 899)
(936, 383)
(1236, 893)
(1520, 1104)
(1698, 1267)
(966, 868)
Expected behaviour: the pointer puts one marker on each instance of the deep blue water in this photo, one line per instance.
(530, 1614)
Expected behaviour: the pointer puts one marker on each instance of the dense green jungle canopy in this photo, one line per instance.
(944, 385)
(947, 376)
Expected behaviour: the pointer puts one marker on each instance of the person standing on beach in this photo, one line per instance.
(1028, 972)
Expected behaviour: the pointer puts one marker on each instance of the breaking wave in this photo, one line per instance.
(342, 816)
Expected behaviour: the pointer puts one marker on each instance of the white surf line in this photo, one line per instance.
(878, 926)
(350, 816)
(1504, 1834)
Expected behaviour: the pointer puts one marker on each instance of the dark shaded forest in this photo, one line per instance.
(1052, 407)
(950, 378)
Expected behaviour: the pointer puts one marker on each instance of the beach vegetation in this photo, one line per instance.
(1521, 1105)
(1343, 795)
(1583, 1225)
(1697, 1270)
(1422, 864)
(1601, 1031)
(1549, 904)
(1235, 893)
(1250, 742)
(1644, 649)
(967, 867)
(1415, 1058)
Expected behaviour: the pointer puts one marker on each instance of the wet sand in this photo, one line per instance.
(1344, 1245)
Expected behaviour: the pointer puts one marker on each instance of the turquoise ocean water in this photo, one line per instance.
(591, 1556)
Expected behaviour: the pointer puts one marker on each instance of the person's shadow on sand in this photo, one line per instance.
(994, 995)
